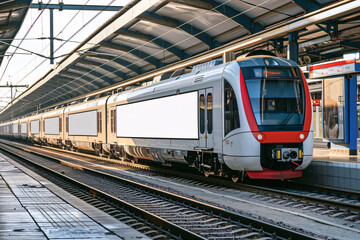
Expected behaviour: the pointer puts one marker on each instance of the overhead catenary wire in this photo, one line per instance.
(95, 79)
(134, 49)
(49, 44)
(66, 40)
(27, 32)
(66, 91)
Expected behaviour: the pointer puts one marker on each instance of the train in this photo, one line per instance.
(248, 118)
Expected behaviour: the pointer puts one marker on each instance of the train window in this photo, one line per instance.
(60, 125)
(231, 112)
(43, 126)
(202, 113)
(209, 113)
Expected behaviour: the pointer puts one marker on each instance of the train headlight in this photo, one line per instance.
(301, 136)
(259, 136)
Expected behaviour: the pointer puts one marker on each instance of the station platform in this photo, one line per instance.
(333, 167)
(31, 207)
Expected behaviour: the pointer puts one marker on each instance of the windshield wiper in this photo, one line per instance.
(287, 119)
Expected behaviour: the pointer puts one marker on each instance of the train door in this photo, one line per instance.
(113, 122)
(206, 138)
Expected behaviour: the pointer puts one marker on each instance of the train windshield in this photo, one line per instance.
(276, 97)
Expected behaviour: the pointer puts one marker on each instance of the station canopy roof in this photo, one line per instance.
(12, 14)
(150, 37)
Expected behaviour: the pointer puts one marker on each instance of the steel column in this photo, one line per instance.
(51, 36)
(293, 47)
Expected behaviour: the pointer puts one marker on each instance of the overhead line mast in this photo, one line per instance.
(11, 86)
(61, 6)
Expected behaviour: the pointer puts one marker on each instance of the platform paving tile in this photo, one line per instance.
(35, 212)
(22, 235)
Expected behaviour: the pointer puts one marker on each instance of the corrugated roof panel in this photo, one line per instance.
(146, 47)
(97, 69)
(174, 36)
(112, 64)
(290, 12)
(254, 8)
(232, 34)
(123, 55)
(213, 22)
(198, 49)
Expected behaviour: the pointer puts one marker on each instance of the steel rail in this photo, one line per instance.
(255, 223)
(215, 181)
(158, 221)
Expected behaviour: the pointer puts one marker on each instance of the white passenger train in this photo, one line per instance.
(251, 116)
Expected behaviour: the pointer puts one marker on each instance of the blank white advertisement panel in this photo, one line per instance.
(24, 127)
(34, 126)
(52, 126)
(83, 124)
(167, 117)
(15, 128)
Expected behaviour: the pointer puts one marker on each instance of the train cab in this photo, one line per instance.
(275, 139)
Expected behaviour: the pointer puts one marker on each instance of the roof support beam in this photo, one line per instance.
(60, 92)
(308, 5)
(228, 11)
(172, 23)
(61, 7)
(157, 41)
(88, 82)
(355, 45)
(136, 52)
(71, 85)
(13, 6)
(9, 27)
(97, 75)
(105, 67)
(121, 62)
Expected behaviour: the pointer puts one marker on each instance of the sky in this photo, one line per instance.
(73, 25)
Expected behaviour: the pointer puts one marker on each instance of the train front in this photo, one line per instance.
(278, 109)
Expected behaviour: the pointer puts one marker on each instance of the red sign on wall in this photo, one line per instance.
(316, 102)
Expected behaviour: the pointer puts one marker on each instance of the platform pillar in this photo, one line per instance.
(293, 47)
(352, 81)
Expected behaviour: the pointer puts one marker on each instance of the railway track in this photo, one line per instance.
(329, 202)
(183, 217)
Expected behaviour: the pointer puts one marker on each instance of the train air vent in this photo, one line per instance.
(199, 78)
(205, 65)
